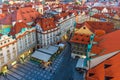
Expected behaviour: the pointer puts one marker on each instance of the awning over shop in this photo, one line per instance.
(50, 50)
(41, 56)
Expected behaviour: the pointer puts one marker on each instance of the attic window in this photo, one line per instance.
(91, 74)
(82, 40)
(108, 78)
(24, 18)
(32, 18)
(76, 38)
(84, 27)
(106, 65)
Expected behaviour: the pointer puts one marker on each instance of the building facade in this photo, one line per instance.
(47, 32)
(8, 52)
(26, 39)
(66, 23)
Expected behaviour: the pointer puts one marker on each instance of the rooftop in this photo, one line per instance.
(80, 38)
(46, 23)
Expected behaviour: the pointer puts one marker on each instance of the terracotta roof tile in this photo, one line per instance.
(6, 20)
(18, 27)
(26, 14)
(47, 23)
(111, 42)
(112, 70)
(99, 16)
(79, 25)
(2, 16)
(80, 38)
(98, 8)
(94, 25)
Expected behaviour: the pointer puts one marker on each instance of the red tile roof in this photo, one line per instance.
(96, 49)
(80, 38)
(100, 32)
(99, 16)
(6, 20)
(18, 27)
(79, 25)
(98, 8)
(26, 14)
(107, 43)
(73, 11)
(94, 25)
(97, 39)
(47, 23)
(99, 72)
(61, 15)
(2, 16)
(111, 42)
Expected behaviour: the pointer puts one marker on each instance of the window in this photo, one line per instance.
(0, 49)
(32, 18)
(24, 18)
(14, 48)
(84, 27)
(108, 78)
(1, 54)
(8, 56)
(8, 51)
(2, 60)
(91, 74)
(106, 65)
(14, 54)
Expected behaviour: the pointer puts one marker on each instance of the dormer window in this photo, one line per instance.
(91, 74)
(106, 65)
(32, 18)
(108, 78)
(24, 18)
(82, 40)
(76, 38)
(84, 27)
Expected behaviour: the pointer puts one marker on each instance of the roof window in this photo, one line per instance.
(91, 74)
(106, 65)
(84, 27)
(108, 78)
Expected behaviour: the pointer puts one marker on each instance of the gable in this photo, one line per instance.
(84, 30)
(104, 10)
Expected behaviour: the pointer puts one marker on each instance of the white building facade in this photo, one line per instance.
(66, 24)
(8, 52)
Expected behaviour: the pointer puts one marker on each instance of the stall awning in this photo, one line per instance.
(41, 56)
